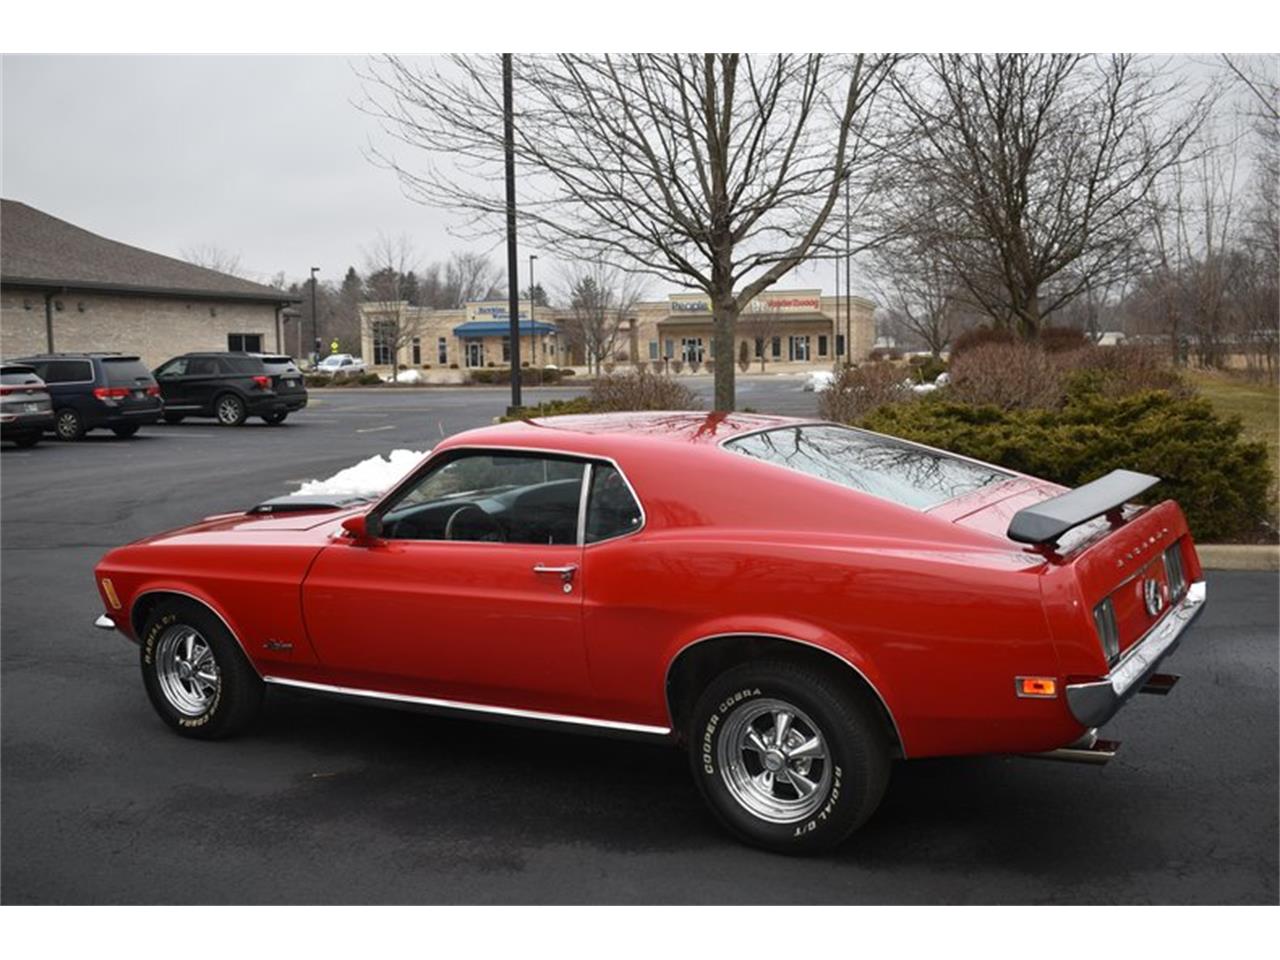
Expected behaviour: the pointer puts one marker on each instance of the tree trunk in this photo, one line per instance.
(725, 321)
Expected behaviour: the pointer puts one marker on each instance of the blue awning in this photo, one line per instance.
(500, 328)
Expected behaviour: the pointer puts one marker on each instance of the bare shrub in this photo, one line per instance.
(640, 391)
(1063, 339)
(677, 366)
(1011, 376)
(856, 391)
(980, 337)
(1119, 371)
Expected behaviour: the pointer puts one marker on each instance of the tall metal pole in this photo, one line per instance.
(315, 317)
(835, 326)
(533, 334)
(513, 267)
(848, 287)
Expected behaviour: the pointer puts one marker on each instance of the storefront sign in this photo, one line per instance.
(779, 301)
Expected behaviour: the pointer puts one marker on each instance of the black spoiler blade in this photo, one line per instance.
(1048, 520)
(296, 504)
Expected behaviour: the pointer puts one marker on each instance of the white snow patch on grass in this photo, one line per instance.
(367, 478)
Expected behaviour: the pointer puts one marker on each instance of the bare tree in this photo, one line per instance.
(601, 301)
(213, 257)
(388, 263)
(470, 276)
(713, 172)
(1033, 170)
(919, 292)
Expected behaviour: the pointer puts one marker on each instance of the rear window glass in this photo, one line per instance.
(250, 365)
(882, 466)
(66, 371)
(12, 375)
(125, 371)
(279, 364)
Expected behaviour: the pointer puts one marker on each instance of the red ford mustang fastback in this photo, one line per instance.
(796, 603)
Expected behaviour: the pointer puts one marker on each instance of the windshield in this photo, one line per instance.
(882, 466)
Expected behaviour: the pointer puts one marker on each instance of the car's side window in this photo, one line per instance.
(202, 366)
(174, 368)
(611, 508)
(492, 497)
(66, 371)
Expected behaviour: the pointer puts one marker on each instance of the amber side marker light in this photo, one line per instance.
(1036, 687)
(110, 591)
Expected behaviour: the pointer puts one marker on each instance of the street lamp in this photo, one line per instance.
(533, 333)
(315, 317)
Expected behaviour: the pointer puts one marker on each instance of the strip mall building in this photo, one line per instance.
(787, 329)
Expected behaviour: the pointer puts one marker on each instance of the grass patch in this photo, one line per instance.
(1257, 405)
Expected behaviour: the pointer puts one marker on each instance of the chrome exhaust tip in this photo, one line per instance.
(1088, 749)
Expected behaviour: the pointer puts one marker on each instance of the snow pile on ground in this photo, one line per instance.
(368, 477)
(411, 376)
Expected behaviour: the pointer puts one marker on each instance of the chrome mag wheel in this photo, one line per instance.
(187, 671)
(773, 759)
(230, 410)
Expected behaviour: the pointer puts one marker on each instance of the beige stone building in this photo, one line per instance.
(788, 329)
(64, 289)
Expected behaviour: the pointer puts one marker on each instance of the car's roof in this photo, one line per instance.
(603, 429)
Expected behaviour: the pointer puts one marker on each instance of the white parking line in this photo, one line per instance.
(389, 426)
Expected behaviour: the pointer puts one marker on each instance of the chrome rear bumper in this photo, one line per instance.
(1096, 702)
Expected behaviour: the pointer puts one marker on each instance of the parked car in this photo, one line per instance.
(797, 603)
(340, 363)
(91, 391)
(230, 387)
(26, 410)
(819, 381)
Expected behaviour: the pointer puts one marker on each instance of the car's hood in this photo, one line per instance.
(286, 528)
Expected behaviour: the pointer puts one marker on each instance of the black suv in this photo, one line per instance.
(231, 387)
(93, 390)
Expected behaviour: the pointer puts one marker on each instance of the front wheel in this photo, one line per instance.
(196, 676)
(126, 431)
(230, 410)
(277, 416)
(788, 757)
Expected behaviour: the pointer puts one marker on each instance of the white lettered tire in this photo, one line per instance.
(788, 757)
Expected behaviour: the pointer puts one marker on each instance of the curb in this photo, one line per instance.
(1238, 556)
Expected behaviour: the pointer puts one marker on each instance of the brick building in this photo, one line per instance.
(792, 329)
(64, 289)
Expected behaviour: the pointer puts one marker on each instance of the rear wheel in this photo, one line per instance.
(230, 410)
(277, 417)
(196, 676)
(128, 430)
(788, 757)
(68, 425)
(27, 439)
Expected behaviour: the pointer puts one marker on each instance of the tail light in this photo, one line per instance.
(1104, 618)
(1173, 571)
(111, 393)
(261, 383)
(153, 390)
(24, 388)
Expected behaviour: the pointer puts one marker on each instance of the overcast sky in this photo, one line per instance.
(260, 156)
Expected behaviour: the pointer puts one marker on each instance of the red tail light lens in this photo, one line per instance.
(111, 393)
(153, 390)
(261, 383)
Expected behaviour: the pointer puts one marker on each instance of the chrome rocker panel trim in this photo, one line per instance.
(458, 706)
(1096, 702)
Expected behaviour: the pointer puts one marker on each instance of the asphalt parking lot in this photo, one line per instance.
(333, 802)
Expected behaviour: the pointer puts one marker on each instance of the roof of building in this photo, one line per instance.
(39, 250)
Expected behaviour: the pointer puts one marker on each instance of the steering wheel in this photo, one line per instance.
(489, 527)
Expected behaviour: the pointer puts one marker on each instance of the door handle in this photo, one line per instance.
(566, 573)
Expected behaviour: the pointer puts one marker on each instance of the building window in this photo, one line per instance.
(653, 349)
(506, 349)
(776, 348)
(442, 350)
(822, 344)
(691, 349)
(417, 352)
(248, 342)
(670, 351)
(759, 347)
(839, 344)
(798, 349)
(383, 338)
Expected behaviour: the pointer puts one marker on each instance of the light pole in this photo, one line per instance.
(315, 317)
(533, 332)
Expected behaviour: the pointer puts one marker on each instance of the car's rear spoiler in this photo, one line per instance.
(1049, 519)
(296, 504)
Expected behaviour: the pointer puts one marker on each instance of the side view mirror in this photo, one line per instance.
(363, 528)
